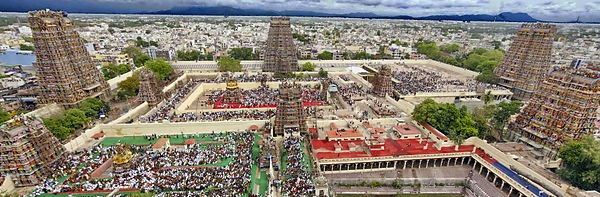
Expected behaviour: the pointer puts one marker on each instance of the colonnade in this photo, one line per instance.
(402, 163)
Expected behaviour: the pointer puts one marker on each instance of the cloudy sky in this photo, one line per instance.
(556, 10)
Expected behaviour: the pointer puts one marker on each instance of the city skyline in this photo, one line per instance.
(549, 10)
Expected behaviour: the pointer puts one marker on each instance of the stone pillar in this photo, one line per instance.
(462, 161)
(480, 168)
(495, 177)
(404, 164)
(502, 185)
(455, 161)
(427, 163)
(420, 163)
(487, 174)
(511, 190)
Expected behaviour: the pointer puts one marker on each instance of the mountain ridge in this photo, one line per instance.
(231, 11)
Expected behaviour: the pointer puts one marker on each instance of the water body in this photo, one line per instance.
(13, 56)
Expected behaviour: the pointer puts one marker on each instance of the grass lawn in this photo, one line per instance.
(141, 140)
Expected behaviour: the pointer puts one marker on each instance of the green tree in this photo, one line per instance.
(242, 54)
(503, 112)
(4, 116)
(57, 128)
(160, 67)
(487, 97)
(451, 48)
(581, 162)
(363, 55)
(92, 106)
(325, 55)
(24, 47)
(445, 117)
(132, 51)
(75, 118)
(322, 73)
(308, 66)
(130, 86)
(113, 70)
(191, 55)
(482, 117)
(141, 43)
(228, 64)
(496, 44)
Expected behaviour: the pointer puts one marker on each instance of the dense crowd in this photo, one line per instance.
(351, 92)
(164, 109)
(195, 171)
(246, 77)
(412, 80)
(264, 96)
(298, 180)
(223, 115)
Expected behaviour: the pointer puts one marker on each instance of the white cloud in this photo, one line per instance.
(544, 9)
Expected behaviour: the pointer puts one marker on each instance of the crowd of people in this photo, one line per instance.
(163, 111)
(190, 171)
(351, 92)
(263, 96)
(412, 80)
(223, 115)
(298, 180)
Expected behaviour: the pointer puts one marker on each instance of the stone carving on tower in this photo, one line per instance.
(67, 74)
(150, 90)
(383, 82)
(527, 60)
(280, 52)
(290, 115)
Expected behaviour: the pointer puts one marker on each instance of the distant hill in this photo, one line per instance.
(230, 11)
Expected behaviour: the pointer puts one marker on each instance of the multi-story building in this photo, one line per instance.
(383, 82)
(290, 115)
(564, 107)
(165, 54)
(281, 54)
(66, 71)
(27, 149)
(106, 59)
(150, 90)
(528, 59)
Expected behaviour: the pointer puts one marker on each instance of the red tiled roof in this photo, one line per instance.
(344, 134)
(435, 132)
(407, 129)
(189, 141)
(98, 135)
(253, 127)
(325, 149)
(160, 143)
(333, 126)
(367, 125)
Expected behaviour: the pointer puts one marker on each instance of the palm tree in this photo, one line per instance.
(487, 97)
